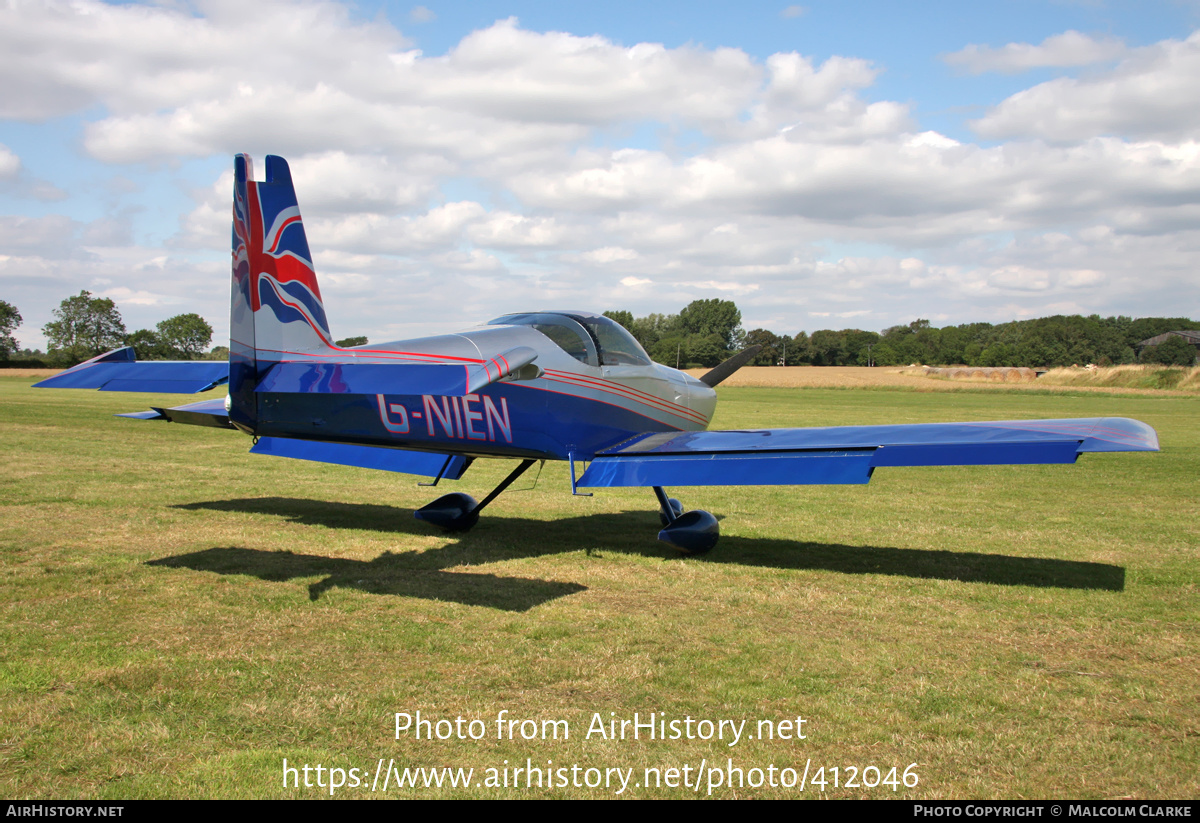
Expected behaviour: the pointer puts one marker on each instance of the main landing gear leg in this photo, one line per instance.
(458, 512)
(693, 533)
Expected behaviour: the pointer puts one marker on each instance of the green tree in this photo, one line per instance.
(705, 350)
(84, 326)
(772, 347)
(826, 347)
(654, 328)
(999, 354)
(671, 349)
(622, 318)
(148, 346)
(855, 343)
(794, 350)
(1174, 351)
(883, 354)
(1146, 327)
(10, 318)
(351, 342)
(719, 317)
(185, 335)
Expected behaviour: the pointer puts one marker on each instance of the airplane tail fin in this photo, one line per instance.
(276, 310)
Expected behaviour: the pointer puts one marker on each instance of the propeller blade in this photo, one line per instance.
(731, 365)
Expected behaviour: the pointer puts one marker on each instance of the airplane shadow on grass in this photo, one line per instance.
(498, 538)
(389, 573)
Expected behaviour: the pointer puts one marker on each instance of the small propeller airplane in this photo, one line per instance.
(533, 386)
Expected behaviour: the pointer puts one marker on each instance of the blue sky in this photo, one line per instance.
(825, 165)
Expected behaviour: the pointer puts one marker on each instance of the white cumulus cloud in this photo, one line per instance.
(1148, 95)
(1071, 48)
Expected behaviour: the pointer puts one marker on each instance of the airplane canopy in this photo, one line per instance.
(589, 338)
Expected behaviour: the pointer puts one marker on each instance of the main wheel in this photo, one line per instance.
(693, 533)
(452, 512)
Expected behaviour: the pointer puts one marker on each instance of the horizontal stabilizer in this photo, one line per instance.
(365, 378)
(209, 413)
(119, 371)
(427, 464)
(146, 415)
(850, 454)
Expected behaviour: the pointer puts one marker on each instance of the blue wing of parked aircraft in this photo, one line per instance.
(119, 370)
(849, 454)
(405, 461)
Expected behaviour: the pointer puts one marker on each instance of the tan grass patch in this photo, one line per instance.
(1113, 380)
(1173, 379)
(999, 374)
(28, 372)
(813, 377)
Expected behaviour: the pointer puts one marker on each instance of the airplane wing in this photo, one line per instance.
(850, 454)
(405, 461)
(120, 370)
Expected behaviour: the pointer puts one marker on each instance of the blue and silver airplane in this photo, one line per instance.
(534, 386)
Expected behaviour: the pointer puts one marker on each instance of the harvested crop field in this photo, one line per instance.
(994, 374)
(36, 373)
(922, 378)
(820, 377)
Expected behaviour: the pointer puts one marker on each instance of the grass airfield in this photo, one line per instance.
(178, 617)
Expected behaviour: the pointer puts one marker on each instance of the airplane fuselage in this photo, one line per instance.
(570, 408)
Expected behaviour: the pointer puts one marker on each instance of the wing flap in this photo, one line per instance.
(732, 469)
(848, 454)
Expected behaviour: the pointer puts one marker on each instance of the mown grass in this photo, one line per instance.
(178, 616)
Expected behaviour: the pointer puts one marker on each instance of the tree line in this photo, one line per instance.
(85, 326)
(702, 334)
(708, 331)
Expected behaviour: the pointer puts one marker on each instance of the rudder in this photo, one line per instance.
(276, 309)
